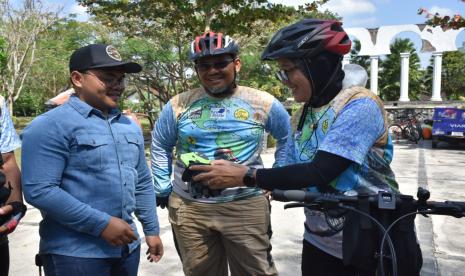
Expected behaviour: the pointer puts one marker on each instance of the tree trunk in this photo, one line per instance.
(10, 104)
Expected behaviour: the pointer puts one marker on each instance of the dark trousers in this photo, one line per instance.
(4, 259)
(316, 262)
(59, 265)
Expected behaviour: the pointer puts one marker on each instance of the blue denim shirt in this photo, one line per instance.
(79, 168)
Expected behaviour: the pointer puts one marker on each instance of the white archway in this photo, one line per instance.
(375, 42)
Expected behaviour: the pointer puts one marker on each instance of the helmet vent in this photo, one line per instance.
(337, 28)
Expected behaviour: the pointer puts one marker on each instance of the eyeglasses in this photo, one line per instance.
(283, 74)
(217, 65)
(108, 80)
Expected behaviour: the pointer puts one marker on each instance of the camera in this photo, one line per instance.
(196, 189)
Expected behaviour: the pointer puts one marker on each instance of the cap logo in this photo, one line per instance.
(113, 53)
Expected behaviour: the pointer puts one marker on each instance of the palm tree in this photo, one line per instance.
(390, 71)
(452, 75)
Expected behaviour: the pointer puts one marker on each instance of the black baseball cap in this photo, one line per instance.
(95, 56)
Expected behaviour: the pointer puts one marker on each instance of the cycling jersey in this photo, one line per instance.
(353, 126)
(230, 128)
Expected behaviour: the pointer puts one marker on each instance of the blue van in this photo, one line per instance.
(448, 125)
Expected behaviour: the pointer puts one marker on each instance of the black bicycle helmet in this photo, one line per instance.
(307, 38)
(212, 44)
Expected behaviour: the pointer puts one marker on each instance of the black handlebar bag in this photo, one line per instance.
(362, 240)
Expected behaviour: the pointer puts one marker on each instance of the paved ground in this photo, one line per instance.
(442, 171)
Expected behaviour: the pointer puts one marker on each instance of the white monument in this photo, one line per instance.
(376, 42)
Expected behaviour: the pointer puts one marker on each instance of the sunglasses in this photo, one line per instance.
(283, 74)
(217, 65)
(109, 81)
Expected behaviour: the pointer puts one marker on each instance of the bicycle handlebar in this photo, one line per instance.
(382, 200)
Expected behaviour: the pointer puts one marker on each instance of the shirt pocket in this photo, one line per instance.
(89, 153)
(131, 149)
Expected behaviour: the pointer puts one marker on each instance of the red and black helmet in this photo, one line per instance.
(212, 44)
(307, 38)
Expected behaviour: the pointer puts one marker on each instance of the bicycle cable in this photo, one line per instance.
(385, 236)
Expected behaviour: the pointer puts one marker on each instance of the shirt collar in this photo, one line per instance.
(85, 109)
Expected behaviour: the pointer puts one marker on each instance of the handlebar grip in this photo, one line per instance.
(458, 204)
(293, 195)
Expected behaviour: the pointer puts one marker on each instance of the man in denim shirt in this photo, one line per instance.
(84, 168)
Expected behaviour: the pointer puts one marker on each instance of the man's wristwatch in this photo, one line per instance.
(249, 179)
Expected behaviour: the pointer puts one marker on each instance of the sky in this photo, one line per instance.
(354, 13)
(376, 13)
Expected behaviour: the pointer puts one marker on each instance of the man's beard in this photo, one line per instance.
(225, 90)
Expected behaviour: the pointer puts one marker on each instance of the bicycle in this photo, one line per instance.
(408, 127)
(384, 203)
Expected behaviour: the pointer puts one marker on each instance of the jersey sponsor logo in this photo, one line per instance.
(241, 114)
(196, 113)
(325, 126)
(218, 113)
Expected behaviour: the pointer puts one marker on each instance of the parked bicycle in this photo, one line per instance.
(408, 127)
(393, 214)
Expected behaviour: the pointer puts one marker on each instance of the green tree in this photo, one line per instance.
(452, 75)
(158, 34)
(21, 28)
(389, 81)
(50, 71)
(49, 75)
(184, 17)
(29, 104)
(2, 57)
(456, 21)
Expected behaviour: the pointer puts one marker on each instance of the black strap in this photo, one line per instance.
(39, 263)
(300, 125)
(364, 206)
